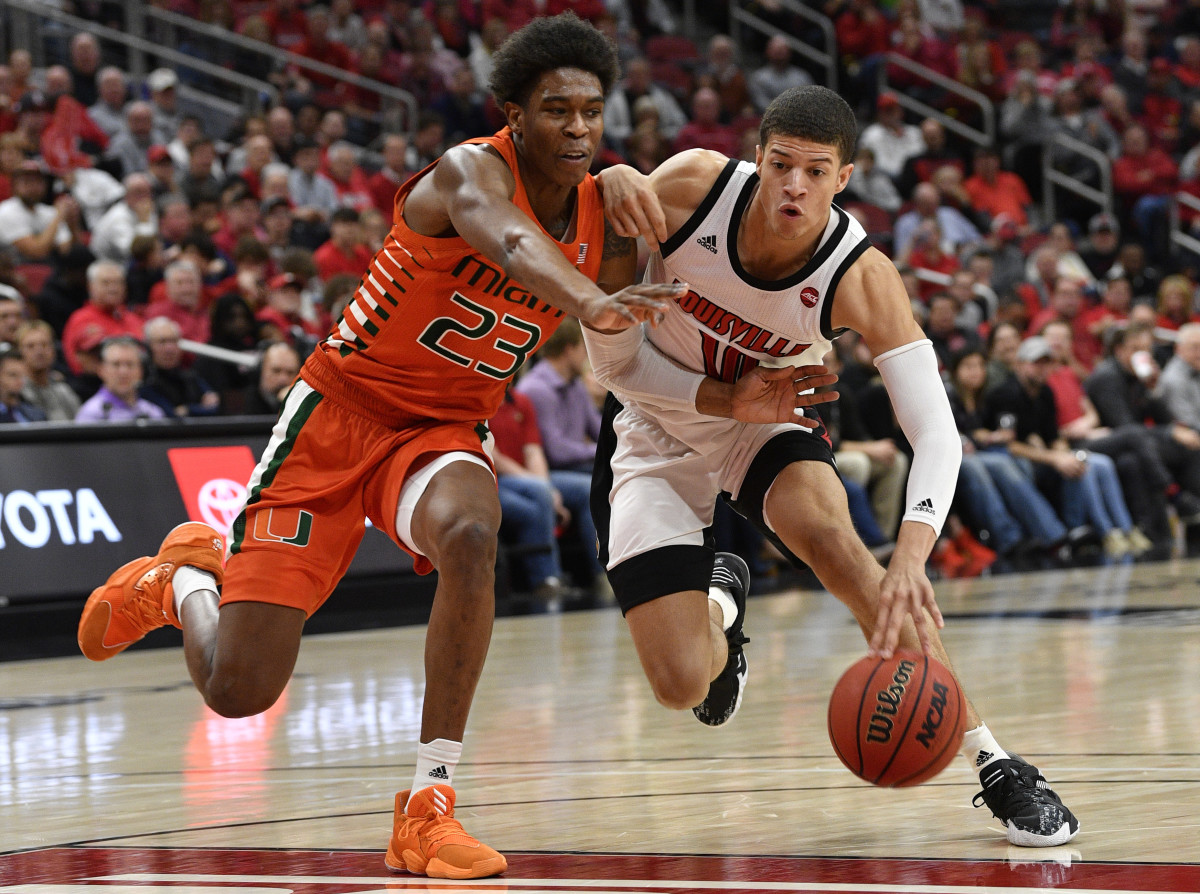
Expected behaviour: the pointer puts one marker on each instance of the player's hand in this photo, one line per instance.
(904, 592)
(776, 395)
(631, 205)
(643, 303)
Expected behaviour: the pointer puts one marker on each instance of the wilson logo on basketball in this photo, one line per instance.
(887, 703)
(809, 296)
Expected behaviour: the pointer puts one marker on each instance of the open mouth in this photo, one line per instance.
(576, 157)
(791, 212)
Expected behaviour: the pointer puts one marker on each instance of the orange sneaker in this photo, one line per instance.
(138, 597)
(429, 841)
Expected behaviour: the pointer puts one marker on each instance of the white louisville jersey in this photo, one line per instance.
(730, 320)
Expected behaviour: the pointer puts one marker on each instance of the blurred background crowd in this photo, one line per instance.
(1032, 167)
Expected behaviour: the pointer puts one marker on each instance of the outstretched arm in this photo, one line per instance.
(473, 190)
(871, 300)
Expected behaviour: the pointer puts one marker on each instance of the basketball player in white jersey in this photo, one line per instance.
(775, 272)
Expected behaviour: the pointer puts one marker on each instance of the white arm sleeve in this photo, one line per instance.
(918, 396)
(633, 369)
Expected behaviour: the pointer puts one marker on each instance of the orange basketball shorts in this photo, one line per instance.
(323, 472)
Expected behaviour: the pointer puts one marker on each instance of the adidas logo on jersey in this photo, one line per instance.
(708, 242)
(439, 773)
(925, 505)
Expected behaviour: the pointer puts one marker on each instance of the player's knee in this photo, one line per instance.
(679, 685)
(466, 543)
(240, 694)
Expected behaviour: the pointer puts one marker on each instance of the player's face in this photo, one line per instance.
(559, 129)
(798, 180)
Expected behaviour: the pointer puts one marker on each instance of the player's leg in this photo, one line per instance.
(455, 524)
(448, 514)
(240, 657)
(652, 504)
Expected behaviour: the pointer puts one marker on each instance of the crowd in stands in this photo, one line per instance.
(1070, 346)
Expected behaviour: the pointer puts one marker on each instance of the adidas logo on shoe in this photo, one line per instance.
(925, 505)
(439, 773)
(982, 758)
(708, 242)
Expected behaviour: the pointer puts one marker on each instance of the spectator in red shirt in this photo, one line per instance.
(1116, 297)
(240, 218)
(1162, 111)
(1067, 306)
(862, 31)
(348, 178)
(455, 21)
(917, 44)
(926, 252)
(287, 23)
(1187, 72)
(705, 130)
(281, 319)
(103, 316)
(979, 61)
(184, 301)
(317, 46)
(591, 10)
(382, 185)
(997, 192)
(1144, 179)
(1176, 302)
(515, 13)
(260, 152)
(345, 251)
(71, 138)
(362, 104)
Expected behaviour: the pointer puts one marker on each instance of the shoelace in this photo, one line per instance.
(1006, 778)
(437, 828)
(142, 608)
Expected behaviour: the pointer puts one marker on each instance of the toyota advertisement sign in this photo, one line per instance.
(72, 512)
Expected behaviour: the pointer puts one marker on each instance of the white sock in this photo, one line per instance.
(724, 599)
(187, 580)
(981, 748)
(436, 761)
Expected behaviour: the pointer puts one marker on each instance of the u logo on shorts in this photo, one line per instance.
(292, 526)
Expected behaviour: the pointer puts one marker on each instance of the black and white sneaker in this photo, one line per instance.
(1019, 796)
(725, 692)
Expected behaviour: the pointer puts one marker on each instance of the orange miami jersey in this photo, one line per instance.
(436, 330)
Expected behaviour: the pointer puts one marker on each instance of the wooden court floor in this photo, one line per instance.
(115, 777)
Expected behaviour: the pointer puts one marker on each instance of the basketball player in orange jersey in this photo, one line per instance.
(491, 246)
(775, 271)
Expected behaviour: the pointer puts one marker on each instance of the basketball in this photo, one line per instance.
(899, 721)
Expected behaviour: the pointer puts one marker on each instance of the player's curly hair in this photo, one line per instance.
(812, 113)
(561, 41)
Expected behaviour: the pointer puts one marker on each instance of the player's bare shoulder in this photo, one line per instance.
(465, 174)
(871, 298)
(682, 181)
